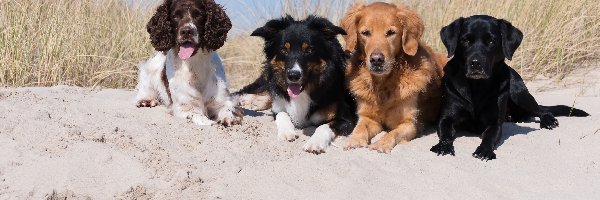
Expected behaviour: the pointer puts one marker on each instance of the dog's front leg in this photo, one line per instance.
(365, 130)
(224, 109)
(152, 87)
(320, 140)
(404, 132)
(491, 137)
(285, 127)
(446, 133)
(228, 113)
(493, 120)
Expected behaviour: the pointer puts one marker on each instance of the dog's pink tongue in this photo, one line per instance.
(186, 51)
(294, 90)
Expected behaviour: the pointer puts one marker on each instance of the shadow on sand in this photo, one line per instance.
(509, 129)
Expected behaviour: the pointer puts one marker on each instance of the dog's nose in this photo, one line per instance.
(186, 31)
(377, 59)
(475, 63)
(294, 75)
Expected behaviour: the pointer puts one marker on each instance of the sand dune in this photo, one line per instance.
(78, 143)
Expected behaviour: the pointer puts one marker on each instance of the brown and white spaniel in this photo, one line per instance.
(186, 73)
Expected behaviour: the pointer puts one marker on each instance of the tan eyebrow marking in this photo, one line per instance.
(304, 46)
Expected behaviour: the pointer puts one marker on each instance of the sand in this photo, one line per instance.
(83, 143)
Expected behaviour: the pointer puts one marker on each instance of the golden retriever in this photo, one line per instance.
(394, 76)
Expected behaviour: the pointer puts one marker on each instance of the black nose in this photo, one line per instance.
(475, 63)
(377, 59)
(294, 75)
(186, 31)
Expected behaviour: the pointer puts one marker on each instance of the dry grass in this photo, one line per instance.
(74, 42)
(81, 42)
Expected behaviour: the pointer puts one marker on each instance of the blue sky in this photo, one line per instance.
(247, 15)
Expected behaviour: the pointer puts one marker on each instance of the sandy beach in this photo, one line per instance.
(85, 143)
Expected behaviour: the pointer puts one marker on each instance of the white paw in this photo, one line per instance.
(147, 103)
(320, 140)
(286, 133)
(202, 120)
(229, 117)
(285, 128)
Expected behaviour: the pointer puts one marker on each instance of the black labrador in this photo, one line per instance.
(481, 91)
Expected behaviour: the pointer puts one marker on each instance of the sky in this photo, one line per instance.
(247, 15)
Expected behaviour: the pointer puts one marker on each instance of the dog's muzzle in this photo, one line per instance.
(476, 70)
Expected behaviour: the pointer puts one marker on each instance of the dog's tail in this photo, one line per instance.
(568, 111)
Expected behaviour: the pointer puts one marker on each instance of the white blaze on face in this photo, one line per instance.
(296, 67)
(193, 26)
(294, 89)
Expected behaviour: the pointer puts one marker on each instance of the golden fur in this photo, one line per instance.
(408, 92)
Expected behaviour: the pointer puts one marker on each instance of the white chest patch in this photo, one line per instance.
(296, 108)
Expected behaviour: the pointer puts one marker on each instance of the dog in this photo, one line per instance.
(393, 75)
(186, 73)
(304, 77)
(481, 91)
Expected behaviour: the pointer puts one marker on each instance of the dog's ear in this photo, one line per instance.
(450, 34)
(413, 29)
(273, 27)
(348, 23)
(160, 28)
(325, 27)
(511, 38)
(216, 26)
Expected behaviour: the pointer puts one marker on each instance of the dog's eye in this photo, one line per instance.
(308, 51)
(466, 41)
(492, 42)
(390, 33)
(366, 33)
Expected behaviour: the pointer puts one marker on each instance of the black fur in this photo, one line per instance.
(325, 87)
(481, 91)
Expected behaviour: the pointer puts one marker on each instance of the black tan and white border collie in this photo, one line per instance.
(304, 76)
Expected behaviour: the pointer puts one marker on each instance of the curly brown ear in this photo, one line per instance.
(160, 28)
(216, 26)
(348, 23)
(413, 29)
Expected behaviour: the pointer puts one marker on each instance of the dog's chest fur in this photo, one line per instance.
(193, 76)
(298, 109)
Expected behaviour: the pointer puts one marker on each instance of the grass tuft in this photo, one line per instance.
(88, 43)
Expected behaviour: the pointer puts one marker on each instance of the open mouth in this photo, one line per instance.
(294, 90)
(187, 50)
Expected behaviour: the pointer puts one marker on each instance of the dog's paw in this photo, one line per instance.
(383, 146)
(443, 148)
(484, 153)
(254, 102)
(356, 142)
(320, 140)
(147, 103)
(229, 117)
(286, 133)
(202, 120)
(230, 121)
(548, 121)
